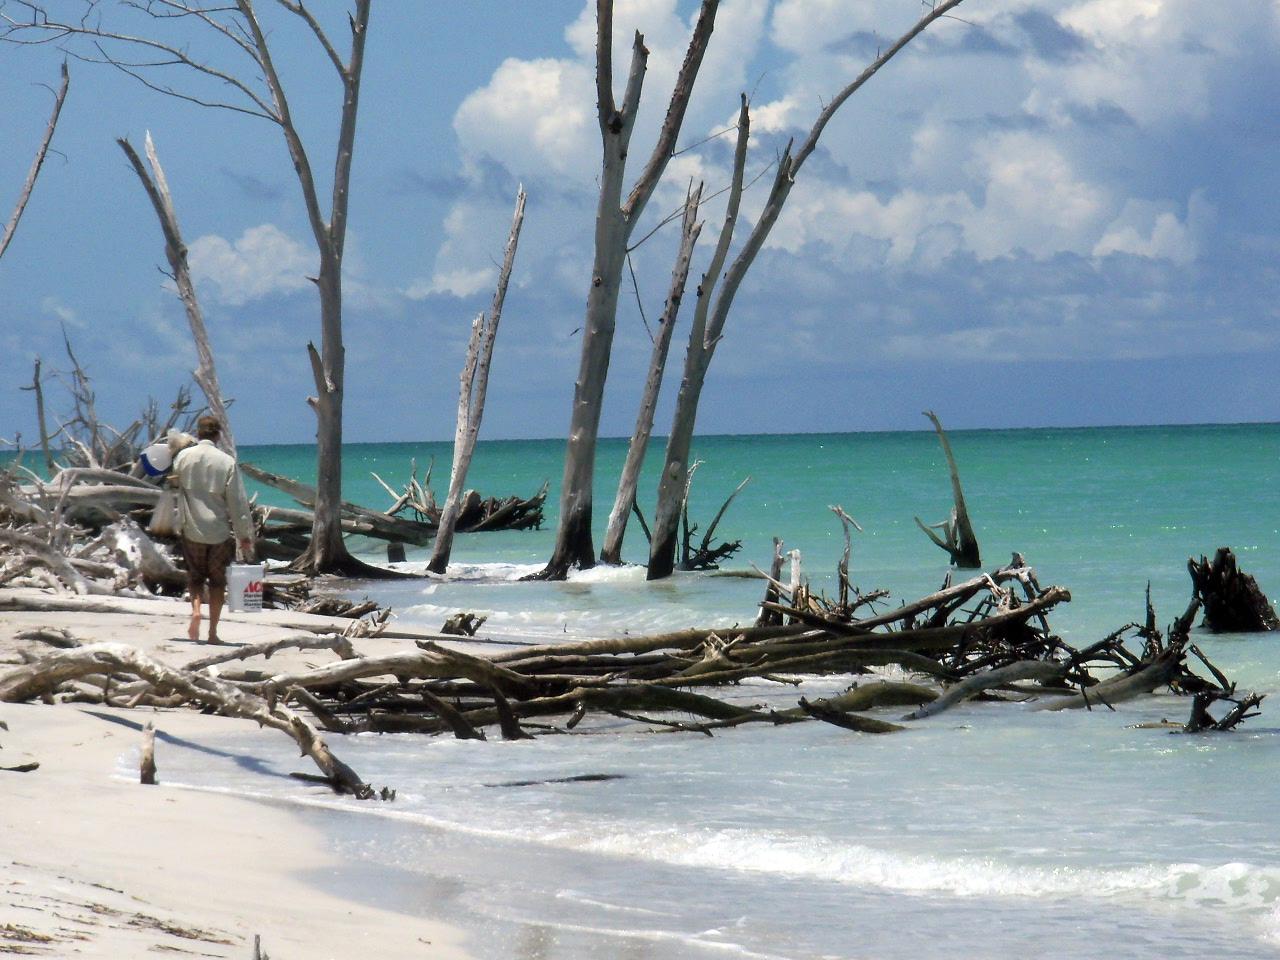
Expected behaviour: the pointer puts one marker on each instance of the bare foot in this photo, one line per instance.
(216, 640)
(193, 628)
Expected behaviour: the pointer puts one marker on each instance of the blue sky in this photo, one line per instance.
(1051, 212)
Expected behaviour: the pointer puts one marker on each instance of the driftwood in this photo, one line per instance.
(850, 721)
(958, 538)
(1232, 600)
(624, 501)
(156, 186)
(147, 764)
(41, 151)
(972, 686)
(354, 519)
(29, 681)
(476, 514)
(473, 387)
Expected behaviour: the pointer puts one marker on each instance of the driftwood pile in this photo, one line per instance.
(86, 526)
(412, 519)
(987, 637)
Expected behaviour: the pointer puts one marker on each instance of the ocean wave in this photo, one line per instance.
(1236, 885)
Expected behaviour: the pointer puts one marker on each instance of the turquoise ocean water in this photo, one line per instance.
(991, 831)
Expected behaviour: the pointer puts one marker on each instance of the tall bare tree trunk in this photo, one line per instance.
(614, 225)
(59, 99)
(206, 374)
(703, 340)
(327, 551)
(473, 387)
(675, 469)
(625, 500)
(37, 387)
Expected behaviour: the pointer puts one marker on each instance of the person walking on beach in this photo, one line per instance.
(213, 507)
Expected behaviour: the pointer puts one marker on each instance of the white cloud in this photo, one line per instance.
(805, 26)
(456, 283)
(1034, 200)
(1148, 230)
(536, 116)
(1153, 59)
(264, 261)
(56, 308)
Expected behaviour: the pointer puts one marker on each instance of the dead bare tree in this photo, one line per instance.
(625, 501)
(958, 538)
(206, 374)
(37, 387)
(705, 337)
(616, 219)
(471, 395)
(59, 99)
(257, 91)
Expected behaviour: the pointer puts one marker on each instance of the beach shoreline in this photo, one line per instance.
(96, 865)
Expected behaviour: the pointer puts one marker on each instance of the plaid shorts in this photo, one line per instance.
(207, 563)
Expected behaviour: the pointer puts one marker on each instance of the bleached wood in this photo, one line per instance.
(615, 222)
(31, 680)
(970, 687)
(629, 479)
(472, 390)
(25, 196)
(156, 186)
(710, 323)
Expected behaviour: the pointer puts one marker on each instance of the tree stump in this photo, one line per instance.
(1233, 602)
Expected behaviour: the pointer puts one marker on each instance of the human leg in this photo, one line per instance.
(219, 556)
(194, 555)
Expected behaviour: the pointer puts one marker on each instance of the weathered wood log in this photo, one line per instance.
(1125, 687)
(338, 643)
(769, 615)
(1233, 602)
(463, 624)
(823, 711)
(485, 672)
(53, 560)
(883, 693)
(25, 682)
(459, 724)
(353, 519)
(507, 722)
(147, 765)
(972, 686)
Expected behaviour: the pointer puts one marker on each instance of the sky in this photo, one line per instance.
(1042, 213)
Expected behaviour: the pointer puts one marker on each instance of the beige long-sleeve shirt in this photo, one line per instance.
(211, 495)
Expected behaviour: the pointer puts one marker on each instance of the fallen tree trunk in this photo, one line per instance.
(44, 676)
(972, 686)
(1118, 689)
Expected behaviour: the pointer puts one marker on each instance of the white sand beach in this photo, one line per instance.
(95, 865)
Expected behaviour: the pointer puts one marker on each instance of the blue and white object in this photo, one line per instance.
(156, 459)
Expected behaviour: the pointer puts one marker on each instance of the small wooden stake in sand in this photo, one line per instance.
(147, 768)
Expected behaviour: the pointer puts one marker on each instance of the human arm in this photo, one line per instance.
(238, 511)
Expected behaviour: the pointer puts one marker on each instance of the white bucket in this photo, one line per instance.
(244, 587)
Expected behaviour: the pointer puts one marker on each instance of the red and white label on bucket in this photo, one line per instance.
(245, 586)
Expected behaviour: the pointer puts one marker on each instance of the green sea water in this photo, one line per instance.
(1101, 511)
